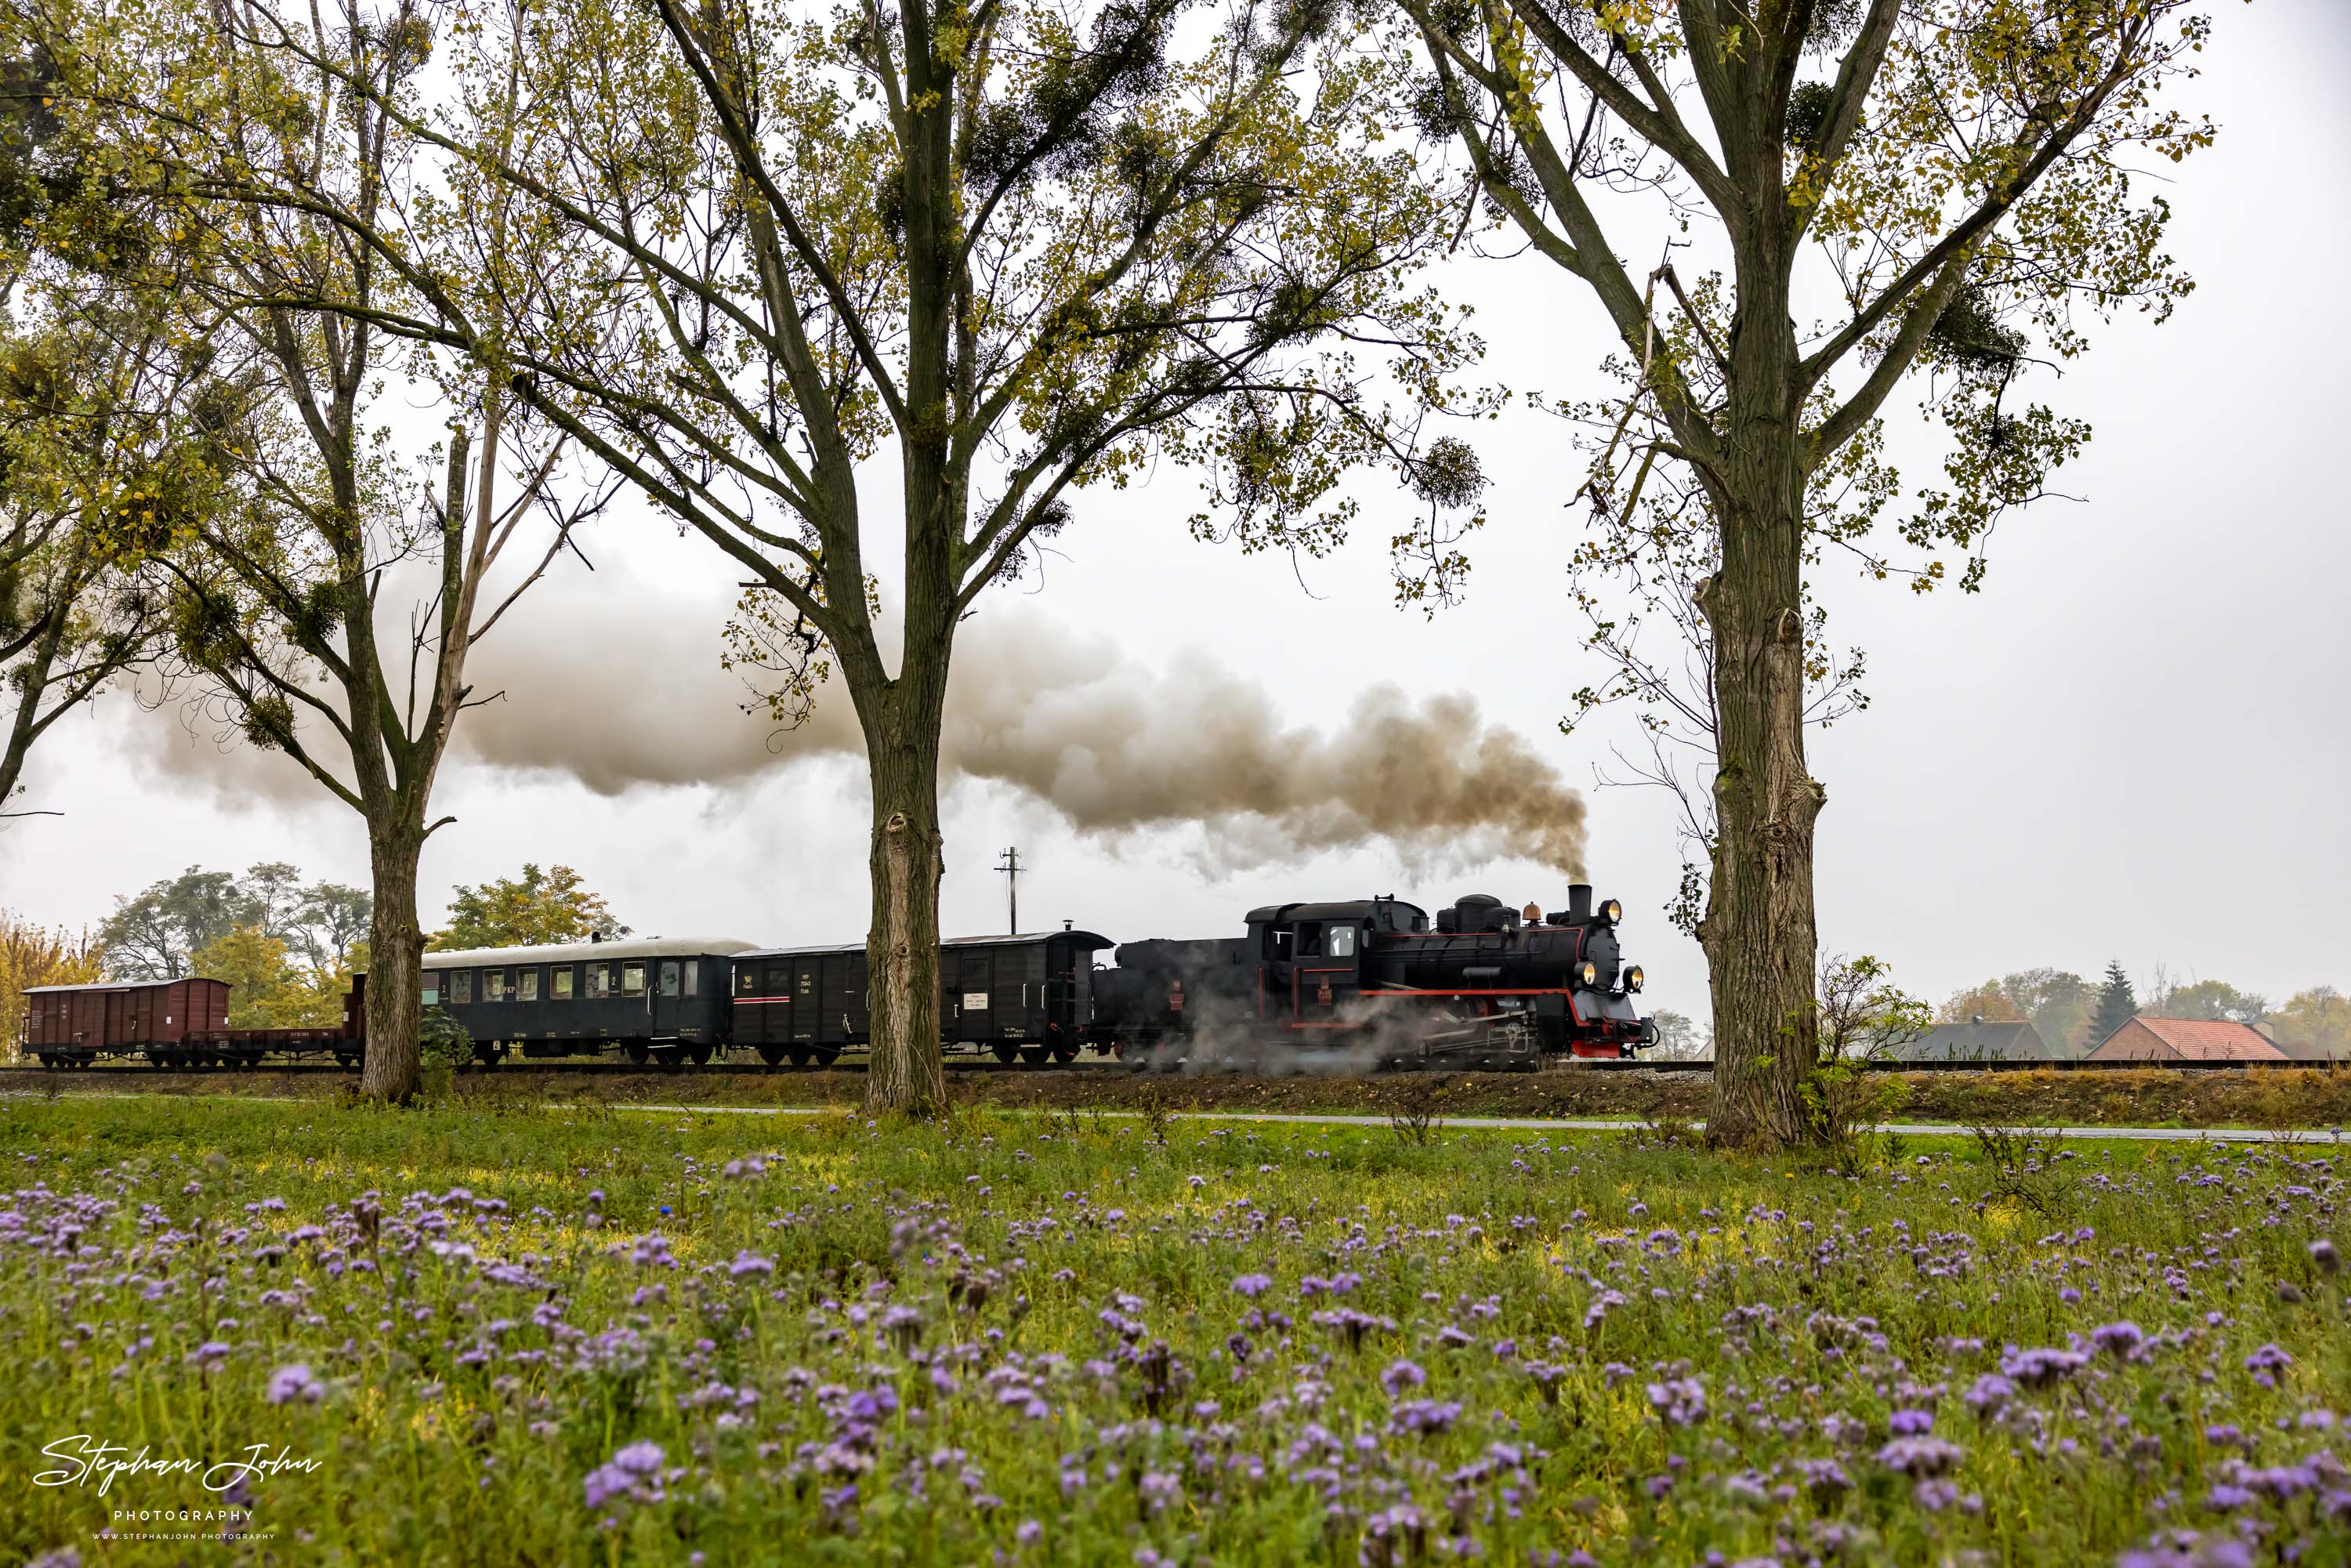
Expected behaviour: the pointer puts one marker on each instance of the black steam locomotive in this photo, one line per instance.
(1371, 982)
(1488, 986)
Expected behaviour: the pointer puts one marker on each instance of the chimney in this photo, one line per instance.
(1579, 903)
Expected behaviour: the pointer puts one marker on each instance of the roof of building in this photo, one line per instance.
(1977, 1042)
(2185, 1039)
(573, 952)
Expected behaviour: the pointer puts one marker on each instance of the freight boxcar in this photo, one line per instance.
(1024, 996)
(73, 1026)
(655, 998)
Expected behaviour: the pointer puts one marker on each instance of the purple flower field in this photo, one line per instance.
(569, 1337)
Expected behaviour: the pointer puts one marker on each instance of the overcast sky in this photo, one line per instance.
(2132, 744)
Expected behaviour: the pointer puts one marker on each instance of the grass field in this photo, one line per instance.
(503, 1335)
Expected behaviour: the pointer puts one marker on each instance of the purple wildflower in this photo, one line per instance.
(1252, 1285)
(294, 1381)
(1920, 1458)
(1401, 1375)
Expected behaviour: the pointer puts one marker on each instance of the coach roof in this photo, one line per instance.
(575, 952)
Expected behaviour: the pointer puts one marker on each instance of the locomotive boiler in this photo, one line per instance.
(1481, 985)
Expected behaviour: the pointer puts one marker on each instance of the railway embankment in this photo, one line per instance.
(2313, 1097)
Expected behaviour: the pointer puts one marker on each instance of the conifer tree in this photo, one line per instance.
(2117, 1003)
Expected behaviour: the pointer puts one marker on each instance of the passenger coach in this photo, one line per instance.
(661, 998)
(1025, 998)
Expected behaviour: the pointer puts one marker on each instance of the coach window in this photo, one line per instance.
(598, 980)
(431, 997)
(1342, 941)
(669, 980)
(494, 985)
(693, 976)
(633, 980)
(561, 977)
(526, 986)
(461, 985)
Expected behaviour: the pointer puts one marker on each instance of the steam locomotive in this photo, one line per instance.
(1372, 983)
(1489, 985)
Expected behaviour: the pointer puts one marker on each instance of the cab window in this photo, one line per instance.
(1342, 941)
(1310, 939)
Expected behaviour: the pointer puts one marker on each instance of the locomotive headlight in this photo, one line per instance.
(1588, 973)
(1612, 911)
(1633, 978)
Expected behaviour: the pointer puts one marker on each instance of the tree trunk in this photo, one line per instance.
(904, 1073)
(1758, 933)
(395, 985)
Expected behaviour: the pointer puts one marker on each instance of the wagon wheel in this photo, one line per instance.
(1032, 1054)
(826, 1055)
(1004, 1053)
(701, 1054)
(771, 1054)
(637, 1051)
(670, 1055)
(800, 1055)
(1065, 1054)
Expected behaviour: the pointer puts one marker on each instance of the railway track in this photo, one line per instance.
(29, 1072)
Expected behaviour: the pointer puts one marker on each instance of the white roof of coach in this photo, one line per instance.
(578, 952)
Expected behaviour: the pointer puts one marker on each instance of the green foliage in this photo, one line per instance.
(441, 1041)
(537, 908)
(154, 934)
(2209, 999)
(2117, 1003)
(736, 1283)
(2315, 1025)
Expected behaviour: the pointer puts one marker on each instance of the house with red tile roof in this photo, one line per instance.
(2185, 1039)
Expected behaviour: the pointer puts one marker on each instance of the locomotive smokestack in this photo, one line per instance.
(1579, 903)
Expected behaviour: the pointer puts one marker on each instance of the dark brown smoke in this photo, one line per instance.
(622, 689)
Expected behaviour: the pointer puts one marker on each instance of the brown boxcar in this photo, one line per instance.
(118, 1015)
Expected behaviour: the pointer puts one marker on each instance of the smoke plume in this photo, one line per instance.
(617, 686)
(1110, 746)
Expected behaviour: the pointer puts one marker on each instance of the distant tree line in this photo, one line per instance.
(288, 945)
(2072, 1014)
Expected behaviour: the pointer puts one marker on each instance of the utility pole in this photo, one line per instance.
(1010, 866)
